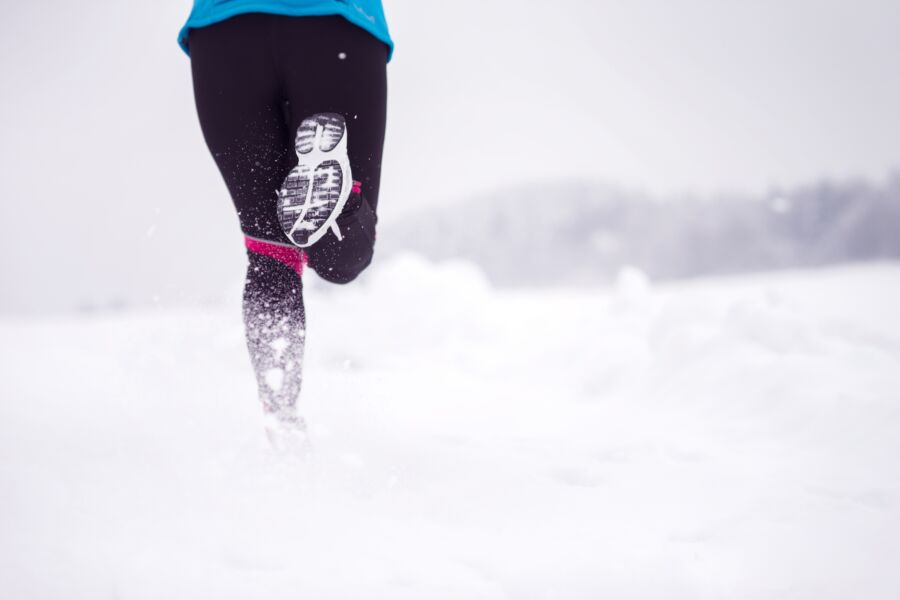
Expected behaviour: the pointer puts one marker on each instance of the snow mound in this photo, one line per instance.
(732, 437)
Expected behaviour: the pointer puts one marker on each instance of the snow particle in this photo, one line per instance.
(342, 55)
(279, 345)
(274, 379)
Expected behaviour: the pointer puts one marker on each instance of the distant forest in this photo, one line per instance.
(572, 233)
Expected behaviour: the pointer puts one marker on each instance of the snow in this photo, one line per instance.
(723, 438)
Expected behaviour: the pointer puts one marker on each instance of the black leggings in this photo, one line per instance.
(256, 77)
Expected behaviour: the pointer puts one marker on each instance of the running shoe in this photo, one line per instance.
(315, 191)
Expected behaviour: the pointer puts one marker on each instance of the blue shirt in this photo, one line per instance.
(368, 14)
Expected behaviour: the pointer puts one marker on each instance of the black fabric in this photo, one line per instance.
(341, 261)
(256, 77)
(275, 326)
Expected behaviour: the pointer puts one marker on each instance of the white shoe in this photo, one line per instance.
(314, 192)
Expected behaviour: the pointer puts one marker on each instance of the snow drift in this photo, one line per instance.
(725, 438)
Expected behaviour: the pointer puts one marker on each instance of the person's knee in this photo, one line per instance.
(342, 260)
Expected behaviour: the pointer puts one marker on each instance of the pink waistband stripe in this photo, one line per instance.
(295, 258)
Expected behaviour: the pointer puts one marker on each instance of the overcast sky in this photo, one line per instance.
(106, 179)
(665, 95)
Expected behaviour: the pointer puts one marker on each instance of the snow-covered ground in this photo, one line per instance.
(724, 438)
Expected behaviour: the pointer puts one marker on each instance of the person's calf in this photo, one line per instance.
(274, 323)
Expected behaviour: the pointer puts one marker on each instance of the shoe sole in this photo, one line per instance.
(315, 191)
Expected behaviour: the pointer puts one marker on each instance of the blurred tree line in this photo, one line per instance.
(576, 232)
